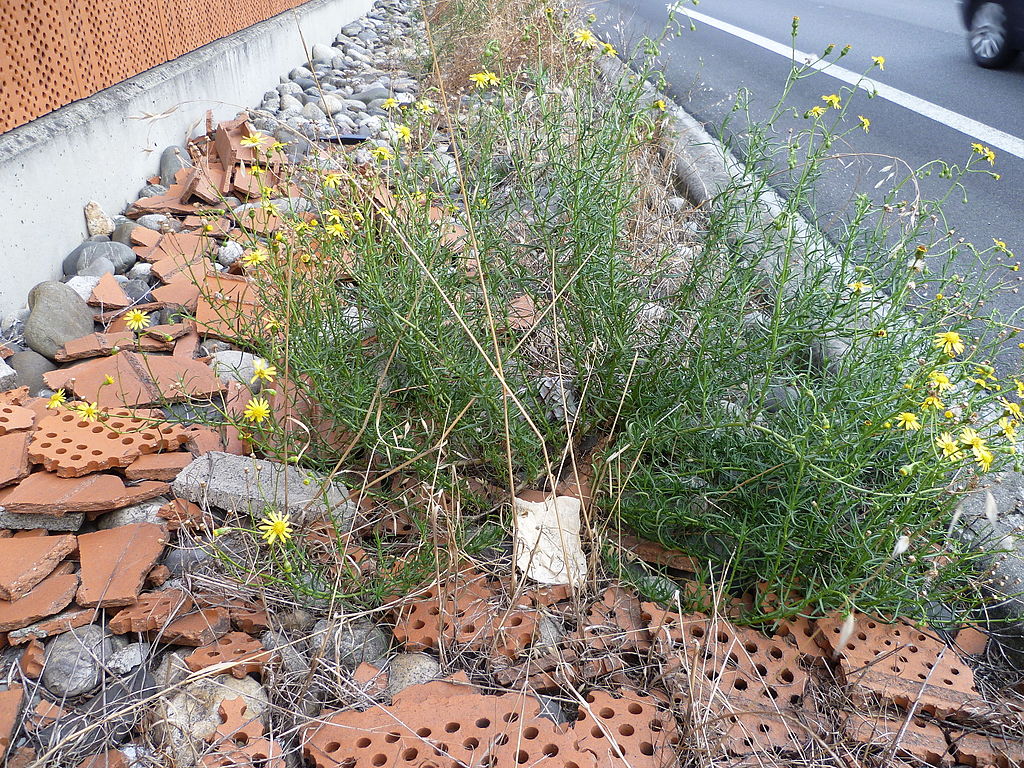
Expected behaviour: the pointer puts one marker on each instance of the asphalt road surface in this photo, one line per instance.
(934, 102)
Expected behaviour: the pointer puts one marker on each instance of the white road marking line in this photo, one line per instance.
(981, 132)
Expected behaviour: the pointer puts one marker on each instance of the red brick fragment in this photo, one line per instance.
(158, 576)
(22, 757)
(917, 738)
(31, 661)
(182, 514)
(243, 653)
(14, 463)
(112, 758)
(112, 342)
(26, 562)
(115, 563)
(986, 750)
(108, 294)
(197, 629)
(152, 611)
(45, 714)
(70, 619)
(971, 641)
(10, 708)
(14, 418)
(45, 493)
(52, 595)
(371, 679)
(158, 466)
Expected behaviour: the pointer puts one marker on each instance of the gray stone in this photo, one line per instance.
(182, 560)
(70, 521)
(300, 73)
(552, 709)
(8, 376)
(290, 103)
(371, 94)
(244, 484)
(235, 365)
(549, 633)
(128, 658)
(117, 253)
(172, 160)
(96, 267)
(73, 665)
(411, 669)
(152, 190)
(82, 285)
(159, 222)
(229, 253)
(172, 669)
(96, 220)
(350, 642)
(142, 270)
(330, 104)
(323, 53)
(288, 89)
(138, 513)
(313, 112)
(354, 105)
(184, 719)
(58, 315)
(293, 661)
(136, 290)
(123, 233)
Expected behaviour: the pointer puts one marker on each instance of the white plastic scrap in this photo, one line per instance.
(548, 548)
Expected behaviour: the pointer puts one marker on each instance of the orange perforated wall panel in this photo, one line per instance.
(55, 51)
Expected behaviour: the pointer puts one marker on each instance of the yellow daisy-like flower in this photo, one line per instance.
(878, 61)
(484, 79)
(948, 445)
(832, 100)
(88, 411)
(950, 342)
(858, 286)
(389, 103)
(940, 380)
(1012, 408)
(253, 141)
(607, 49)
(984, 457)
(971, 438)
(908, 421)
(932, 402)
(108, 380)
(255, 258)
(865, 124)
(333, 215)
(263, 371)
(1000, 245)
(985, 152)
(1008, 428)
(815, 112)
(404, 134)
(382, 153)
(256, 410)
(585, 38)
(275, 528)
(336, 230)
(425, 107)
(136, 320)
(659, 104)
(277, 146)
(57, 399)
(332, 180)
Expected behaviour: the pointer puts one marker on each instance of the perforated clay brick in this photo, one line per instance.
(245, 654)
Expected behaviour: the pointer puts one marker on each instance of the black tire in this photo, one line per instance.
(989, 36)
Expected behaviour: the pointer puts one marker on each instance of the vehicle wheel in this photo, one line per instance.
(989, 36)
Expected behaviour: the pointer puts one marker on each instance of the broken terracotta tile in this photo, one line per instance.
(187, 346)
(22, 757)
(158, 576)
(70, 619)
(982, 749)
(14, 418)
(371, 679)
(43, 493)
(52, 595)
(199, 628)
(112, 758)
(180, 293)
(971, 641)
(158, 466)
(115, 563)
(31, 661)
(72, 446)
(152, 611)
(46, 713)
(168, 333)
(24, 562)
(918, 738)
(104, 344)
(10, 709)
(31, 533)
(138, 380)
(522, 313)
(5, 351)
(108, 294)
(14, 463)
(243, 653)
(226, 304)
(182, 514)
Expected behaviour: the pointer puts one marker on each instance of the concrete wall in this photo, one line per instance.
(98, 149)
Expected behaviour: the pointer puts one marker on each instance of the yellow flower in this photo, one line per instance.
(336, 230)
(878, 61)
(484, 79)
(932, 402)
(275, 527)
(382, 153)
(971, 438)
(136, 320)
(255, 257)
(948, 445)
(608, 49)
(949, 342)
(1020, 387)
(940, 380)
(585, 38)
(108, 380)
(908, 421)
(331, 180)
(263, 371)
(57, 399)
(815, 112)
(404, 134)
(864, 123)
(256, 410)
(949, 414)
(1000, 245)
(833, 100)
(277, 146)
(425, 107)
(985, 152)
(1007, 426)
(390, 103)
(252, 141)
(984, 457)
(858, 286)
(88, 411)
(1012, 408)
(256, 170)
(333, 215)
(659, 104)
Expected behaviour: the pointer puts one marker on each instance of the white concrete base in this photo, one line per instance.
(101, 148)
